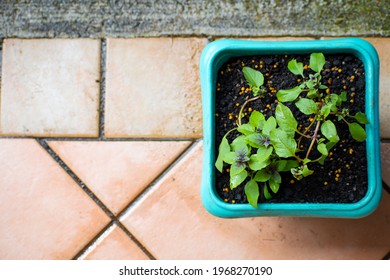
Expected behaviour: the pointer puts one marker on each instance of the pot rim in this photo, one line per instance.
(217, 53)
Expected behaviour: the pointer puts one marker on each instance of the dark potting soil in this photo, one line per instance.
(343, 177)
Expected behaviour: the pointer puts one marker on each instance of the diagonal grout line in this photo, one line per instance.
(385, 140)
(102, 98)
(114, 218)
(132, 237)
(151, 186)
(75, 178)
(99, 236)
(385, 186)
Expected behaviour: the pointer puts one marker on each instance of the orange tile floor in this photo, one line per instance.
(101, 152)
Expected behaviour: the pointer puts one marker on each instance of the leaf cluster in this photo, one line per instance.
(265, 147)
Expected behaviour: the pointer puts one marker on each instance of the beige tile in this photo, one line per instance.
(50, 87)
(382, 46)
(114, 244)
(153, 88)
(118, 171)
(385, 158)
(44, 214)
(189, 232)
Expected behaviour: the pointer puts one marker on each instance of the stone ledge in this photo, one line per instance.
(98, 19)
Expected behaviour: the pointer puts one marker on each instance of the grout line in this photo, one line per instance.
(387, 257)
(102, 139)
(385, 140)
(90, 245)
(114, 220)
(152, 185)
(385, 186)
(75, 178)
(102, 105)
(135, 240)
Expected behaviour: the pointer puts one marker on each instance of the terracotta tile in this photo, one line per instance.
(44, 214)
(50, 87)
(153, 88)
(385, 157)
(172, 224)
(118, 171)
(114, 244)
(382, 45)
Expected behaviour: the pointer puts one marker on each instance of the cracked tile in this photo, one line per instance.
(153, 87)
(50, 87)
(117, 171)
(43, 212)
(172, 224)
(114, 245)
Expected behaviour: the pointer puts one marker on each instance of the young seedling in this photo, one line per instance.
(255, 156)
(313, 99)
(265, 147)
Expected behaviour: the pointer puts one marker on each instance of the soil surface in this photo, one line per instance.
(343, 177)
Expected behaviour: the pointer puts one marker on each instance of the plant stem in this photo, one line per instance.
(344, 120)
(306, 130)
(243, 106)
(314, 138)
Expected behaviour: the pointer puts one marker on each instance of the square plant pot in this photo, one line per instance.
(217, 53)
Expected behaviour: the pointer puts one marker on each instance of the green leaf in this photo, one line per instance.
(361, 118)
(307, 106)
(284, 144)
(342, 97)
(322, 149)
(239, 141)
(241, 148)
(252, 192)
(262, 175)
(325, 110)
(306, 171)
(224, 148)
(328, 129)
(329, 146)
(358, 133)
(323, 87)
(266, 193)
(313, 93)
(295, 67)
(264, 153)
(236, 168)
(317, 61)
(311, 84)
(255, 140)
(236, 180)
(246, 129)
(286, 165)
(230, 157)
(276, 177)
(257, 119)
(256, 163)
(253, 77)
(274, 186)
(269, 125)
(287, 95)
(285, 119)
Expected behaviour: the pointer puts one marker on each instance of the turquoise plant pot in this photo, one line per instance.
(217, 53)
